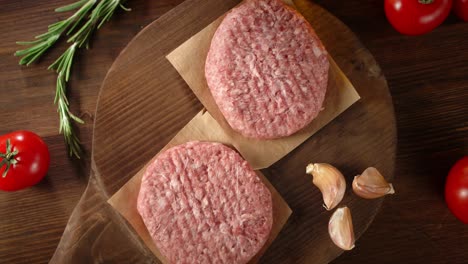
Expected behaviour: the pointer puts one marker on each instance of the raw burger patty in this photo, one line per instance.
(267, 70)
(202, 203)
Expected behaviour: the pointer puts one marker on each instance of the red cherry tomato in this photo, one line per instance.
(456, 189)
(460, 8)
(24, 160)
(416, 17)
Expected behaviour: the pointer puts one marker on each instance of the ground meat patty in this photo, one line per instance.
(202, 203)
(267, 70)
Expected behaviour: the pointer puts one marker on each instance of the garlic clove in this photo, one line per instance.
(371, 184)
(330, 181)
(340, 228)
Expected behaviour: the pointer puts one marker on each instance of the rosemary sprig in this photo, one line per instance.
(63, 67)
(44, 41)
(100, 14)
(96, 13)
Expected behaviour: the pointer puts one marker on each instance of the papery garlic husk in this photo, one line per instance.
(330, 181)
(340, 228)
(371, 184)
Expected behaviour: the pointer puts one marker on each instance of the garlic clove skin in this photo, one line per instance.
(340, 228)
(371, 184)
(330, 181)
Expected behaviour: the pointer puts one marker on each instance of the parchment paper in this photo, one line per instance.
(125, 200)
(189, 60)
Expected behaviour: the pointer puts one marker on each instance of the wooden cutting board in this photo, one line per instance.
(144, 102)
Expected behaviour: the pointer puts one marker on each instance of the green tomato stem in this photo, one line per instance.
(425, 2)
(8, 158)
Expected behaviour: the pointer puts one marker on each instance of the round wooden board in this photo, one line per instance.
(143, 103)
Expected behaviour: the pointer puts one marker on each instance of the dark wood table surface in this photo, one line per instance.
(427, 76)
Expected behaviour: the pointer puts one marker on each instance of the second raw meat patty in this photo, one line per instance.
(267, 70)
(202, 203)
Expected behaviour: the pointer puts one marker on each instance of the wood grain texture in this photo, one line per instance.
(143, 103)
(426, 75)
(32, 221)
(428, 79)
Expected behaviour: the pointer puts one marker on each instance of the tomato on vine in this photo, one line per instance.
(24, 160)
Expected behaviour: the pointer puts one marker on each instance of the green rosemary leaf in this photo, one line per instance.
(28, 50)
(69, 64)
(81, 14)
(31, 59)
(56, 24)
(27, 43)
(77, 22)
(125, 8)
(48, 34)
(77, 119)
(106, 18)
(79, 33)
(71, 6)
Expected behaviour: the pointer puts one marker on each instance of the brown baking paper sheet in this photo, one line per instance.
(125, 200)
(189, 60)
